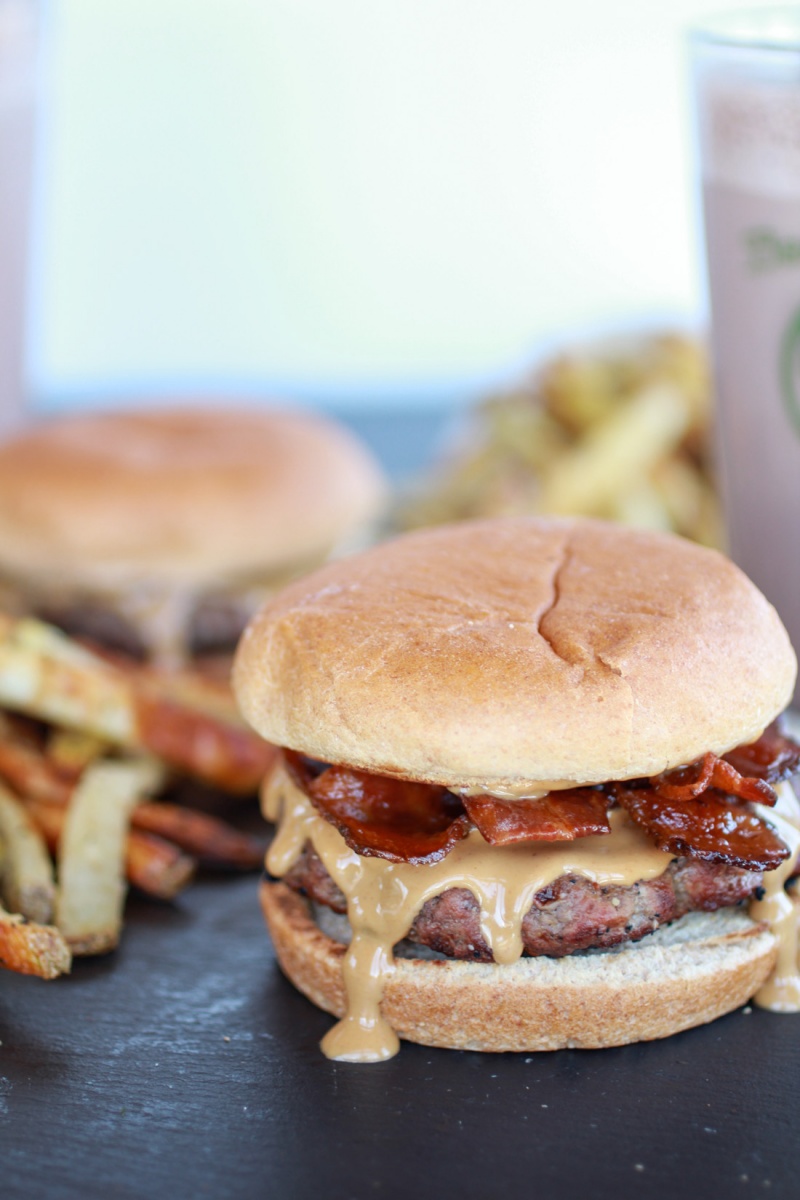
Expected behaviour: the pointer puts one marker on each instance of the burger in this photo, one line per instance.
(158, 532)
(531, 792)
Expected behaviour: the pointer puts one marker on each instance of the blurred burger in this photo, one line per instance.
(531, 790)
(159, 532)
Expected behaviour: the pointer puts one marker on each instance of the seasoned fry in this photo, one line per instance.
(192, 722)
(206, 837)
(49, 820)
(48, 676)
(619, 430)
(39, 776)
(622, 449)
(193, 741)
(32, 949)
(156, 866)
(70, 751)
(25, 768)
(27, 874)
(84, 738)
(152, 864)
(92, 852)
(643, 507)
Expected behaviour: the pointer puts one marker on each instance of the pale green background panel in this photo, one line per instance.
(352, 196)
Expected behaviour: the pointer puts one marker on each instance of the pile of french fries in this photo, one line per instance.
(619, 430)
(87, 745)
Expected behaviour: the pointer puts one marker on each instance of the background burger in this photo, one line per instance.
(533, 761)
(158, 532)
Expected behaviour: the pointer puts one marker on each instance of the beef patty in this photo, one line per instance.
(571, 914)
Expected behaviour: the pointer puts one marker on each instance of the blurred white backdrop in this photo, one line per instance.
(352, 200)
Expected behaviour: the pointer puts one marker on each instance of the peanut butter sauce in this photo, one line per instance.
(781, 992)
(383, 898)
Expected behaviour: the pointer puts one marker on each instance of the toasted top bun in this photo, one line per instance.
(516, 655)
(187, 495)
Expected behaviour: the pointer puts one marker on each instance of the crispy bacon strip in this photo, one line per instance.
(713, 827)
(711, 772)
(700, 810)
(685, 782)
(773, 757)
(558, 817)
(385, 818)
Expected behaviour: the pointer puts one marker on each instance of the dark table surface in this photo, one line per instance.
(184, 1065)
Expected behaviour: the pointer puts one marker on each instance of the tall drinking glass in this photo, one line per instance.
(746, 78)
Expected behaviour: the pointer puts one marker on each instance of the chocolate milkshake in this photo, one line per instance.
(747, 80)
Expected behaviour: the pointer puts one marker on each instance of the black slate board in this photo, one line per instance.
(184, 1065)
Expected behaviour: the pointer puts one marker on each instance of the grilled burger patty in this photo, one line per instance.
(570, 914)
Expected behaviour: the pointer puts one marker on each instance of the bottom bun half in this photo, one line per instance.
(685, 974)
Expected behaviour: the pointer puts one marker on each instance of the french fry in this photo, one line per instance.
(70, 751)
(28, 887)
(642, 507)
(28, 772)
(46, 675)
(155, 866)
(191, 721)
(206, 837)
(49, 820)
(621, 450)
(32, 949)
(38, 775)
(199, 744)
(570, 439)
(91, 854)
(89, 807)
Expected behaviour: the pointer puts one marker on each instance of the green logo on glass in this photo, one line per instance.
(790, 370)
(769, 251)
